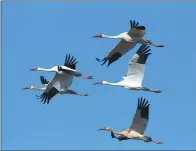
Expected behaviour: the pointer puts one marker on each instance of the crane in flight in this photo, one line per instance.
(68, 67)
(138, 126)
(62, 79)
(45, 82)
(135, 75)
(128, 40)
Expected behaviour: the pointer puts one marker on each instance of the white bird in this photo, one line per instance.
(62, 79)
(45, 82)
(128, 41)
(138, 126)
(69, 67)
(136, 66)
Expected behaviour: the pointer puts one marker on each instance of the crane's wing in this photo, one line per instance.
(43, 80)
(119, 50)
(136, 30)
(136, 65)
(59, 81)
(141, 116)
(70, 62)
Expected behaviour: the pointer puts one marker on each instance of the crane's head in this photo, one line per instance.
(100, 82)
(28, 87)
(88, 77)
(98, 36)
(105, 128)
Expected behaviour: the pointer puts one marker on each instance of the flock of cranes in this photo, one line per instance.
(64, 74)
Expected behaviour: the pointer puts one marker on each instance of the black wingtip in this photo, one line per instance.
(70, 61)
(98, 59)
(142, 102)
(134, 23)
(102, 60)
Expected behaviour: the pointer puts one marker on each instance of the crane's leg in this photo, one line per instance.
(157, 142)
(149, 42)
(74, 92)
(154, 91)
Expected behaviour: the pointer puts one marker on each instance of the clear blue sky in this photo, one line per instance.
(42, 33)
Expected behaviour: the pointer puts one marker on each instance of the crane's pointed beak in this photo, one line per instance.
(25, 88)
(101, 129)
(160, 46)
(100, 82)
(34, 69)
(98, 36)
(96, 83)
(95, 36)
(157, 45)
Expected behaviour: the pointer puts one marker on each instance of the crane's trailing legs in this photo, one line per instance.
(74, 92)
(149, 42)
(149, 139)
(145, 89)
(155, 91)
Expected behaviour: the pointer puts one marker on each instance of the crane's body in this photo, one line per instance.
(136, 68)
(138, 126)
(128, 40)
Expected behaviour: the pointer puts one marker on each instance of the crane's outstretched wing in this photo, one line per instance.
(59, 81)
(119, 50)
(70, 62)
(136, 29)
(141, 116)
(69, 65)
(136, 65)
(43, 80)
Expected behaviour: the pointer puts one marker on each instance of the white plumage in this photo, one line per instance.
(135, 75)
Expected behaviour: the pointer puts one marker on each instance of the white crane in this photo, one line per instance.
(62, 79)
(136, 66)
(45, 82)
(128, 41)
(138, 126)
(69, 67)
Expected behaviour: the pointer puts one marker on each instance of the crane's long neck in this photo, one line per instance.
(112, 37)
(37, 88)
(110, 83)
(48, 70)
